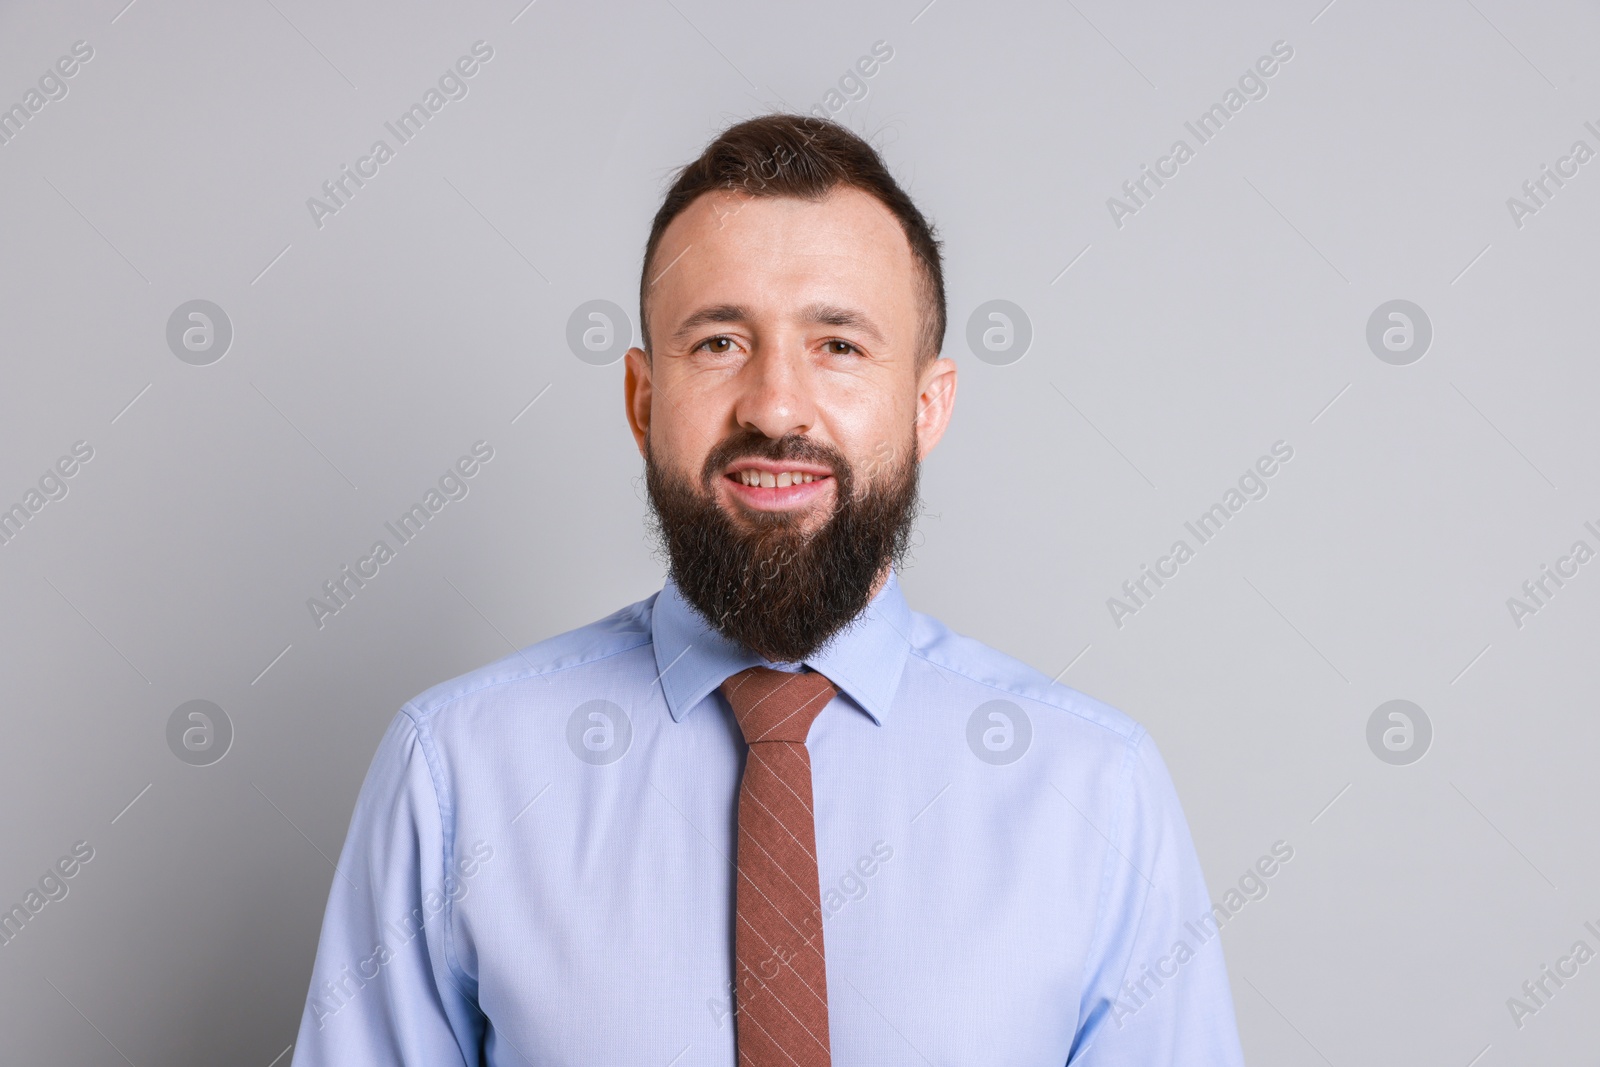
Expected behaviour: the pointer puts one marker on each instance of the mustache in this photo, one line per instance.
(752, 444)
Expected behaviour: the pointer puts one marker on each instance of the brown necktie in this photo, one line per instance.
(781, 995)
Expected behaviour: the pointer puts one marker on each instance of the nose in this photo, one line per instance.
(776, 393)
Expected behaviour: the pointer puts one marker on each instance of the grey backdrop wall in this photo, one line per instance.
(190, 475)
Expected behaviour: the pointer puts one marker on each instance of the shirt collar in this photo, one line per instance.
(864, 660)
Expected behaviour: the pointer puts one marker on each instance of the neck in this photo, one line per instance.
(879, 582)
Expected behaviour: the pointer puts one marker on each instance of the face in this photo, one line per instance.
(782, 414)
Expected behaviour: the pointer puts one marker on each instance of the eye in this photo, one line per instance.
(710, 344)
(844, 349)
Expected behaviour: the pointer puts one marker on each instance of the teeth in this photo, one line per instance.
(752, 477)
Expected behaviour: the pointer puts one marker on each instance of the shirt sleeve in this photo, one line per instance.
(384, 989)
(1156, 987)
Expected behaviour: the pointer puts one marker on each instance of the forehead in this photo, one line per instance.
(745, 248)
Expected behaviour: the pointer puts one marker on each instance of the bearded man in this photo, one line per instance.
(770, 815)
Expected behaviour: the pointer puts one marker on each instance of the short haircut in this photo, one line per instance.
(804, 157)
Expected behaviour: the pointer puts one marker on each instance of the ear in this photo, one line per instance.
(637, 393)
(936, 402)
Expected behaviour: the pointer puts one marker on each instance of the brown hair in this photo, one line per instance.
(805, 157)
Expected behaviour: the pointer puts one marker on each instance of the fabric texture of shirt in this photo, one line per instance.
(539, 869)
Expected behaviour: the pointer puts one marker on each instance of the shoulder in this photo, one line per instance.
(1101, 758)
(987, 669)
(592, 646)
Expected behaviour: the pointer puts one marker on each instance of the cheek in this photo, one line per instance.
(875, 428)
(672, 447)
(683, 429)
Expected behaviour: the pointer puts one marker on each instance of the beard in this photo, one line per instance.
(764, 581)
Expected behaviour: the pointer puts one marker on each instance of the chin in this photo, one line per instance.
(804, 521)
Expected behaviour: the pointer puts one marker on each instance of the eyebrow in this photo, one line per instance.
(707, 316)
(818, 314)
(848, 318)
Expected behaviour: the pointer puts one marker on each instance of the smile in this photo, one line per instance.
(766, 487)
(767, 480)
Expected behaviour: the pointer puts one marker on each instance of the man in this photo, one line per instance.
(770, 815)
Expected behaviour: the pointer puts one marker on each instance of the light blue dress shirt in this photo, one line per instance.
(540, 867)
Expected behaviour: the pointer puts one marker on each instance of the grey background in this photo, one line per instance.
(1229, 313)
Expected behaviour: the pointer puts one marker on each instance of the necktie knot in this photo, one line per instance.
(772, 705)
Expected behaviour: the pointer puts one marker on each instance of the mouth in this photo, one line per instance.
(767, 485)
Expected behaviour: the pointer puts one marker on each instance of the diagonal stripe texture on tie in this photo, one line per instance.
(781, 984)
